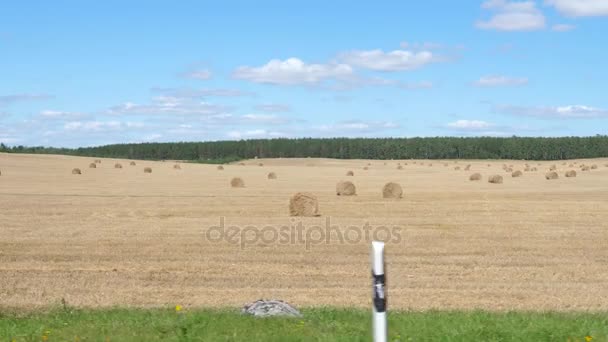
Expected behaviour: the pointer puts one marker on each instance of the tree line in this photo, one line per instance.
(528, 148)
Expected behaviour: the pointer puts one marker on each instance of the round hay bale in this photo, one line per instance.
(177, 167)
(593, 167)
(534, 169)
(489, 165)
(118, 166)
(475, 177)
(392, 190)
(571, 165)
(585, 168)
(346, 188)
(303, 204)
(260, 164)
(509, 170)
(457, 168)
(132, 163)
(220, 167)
(242, 164)
(237, 182)
(399, 167)
(527, 169)
(92, 166)
(350, 173)
(366, 168)
(551, 175)
(272, 175)
(76, 171)
(517, 174)
(430, 164)
(147, 169)
(467, 168)
(553, 168)
(570, 173)
(97, 161)
(495, 179)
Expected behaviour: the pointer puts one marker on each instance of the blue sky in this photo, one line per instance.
(76, 73)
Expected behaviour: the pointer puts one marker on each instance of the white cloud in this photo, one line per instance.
(470, 125)
(255, 134)
(273, 107)
(59, 115)
(560, 112)
(200, 93)
(580, 8)
(202, 74)
(498, 81)
(356, 126)
(10, 99)
(562, 27)
(170, 105)
(397, 60)
(512, 16)
(264, 119)
(293, 71)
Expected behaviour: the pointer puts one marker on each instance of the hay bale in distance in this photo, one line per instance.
(303, 204)
(346, 188)
(570, 173)
(220, 167)
(76, 171)
(517, 174)
(272, 175)
(147, 169)
(585, 168)
(350, 173)
(366, 168)
(132, 163)
(97, 161)
(467, 168)
(237, 182)
(495, 179)
(457, 168)
(593, 167)
(118, 166)
(551, 175)
(399, 167)
(260, 164)
(475, 177)
(392, 190)
(92, 166)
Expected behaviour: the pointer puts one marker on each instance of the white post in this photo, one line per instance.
(379, 292)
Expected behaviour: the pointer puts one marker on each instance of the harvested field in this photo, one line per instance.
(106, 238)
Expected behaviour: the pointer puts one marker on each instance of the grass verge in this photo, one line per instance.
(316, 325)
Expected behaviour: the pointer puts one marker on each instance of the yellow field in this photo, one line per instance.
(121, 237)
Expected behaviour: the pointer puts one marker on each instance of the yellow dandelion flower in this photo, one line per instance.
(45, 338)
(178, 308)
(588, 338)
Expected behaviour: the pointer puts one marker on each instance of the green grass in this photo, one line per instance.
(317, 325)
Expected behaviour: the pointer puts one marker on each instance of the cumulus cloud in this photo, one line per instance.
(560, 112)
(580, 8)
(500, 81)
(397, 60)
(293, 71)
(512, 16)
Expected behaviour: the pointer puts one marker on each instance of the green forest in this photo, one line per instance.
(347, 148)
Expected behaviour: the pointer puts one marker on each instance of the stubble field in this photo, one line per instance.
(120, 237)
